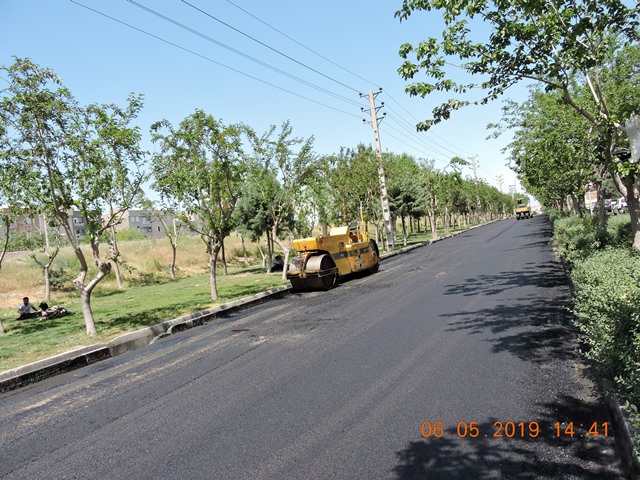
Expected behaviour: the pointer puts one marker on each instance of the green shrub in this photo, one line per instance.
(619, 231)
(555, 215)
(576, 238)
(60, 279)
(127, 234)
(22, 241)
(607, 307)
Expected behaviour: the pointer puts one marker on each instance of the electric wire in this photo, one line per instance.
(212, 60)
(411, 126)
(269, 47)
(242, 54)
(405, 124)
(300, 44)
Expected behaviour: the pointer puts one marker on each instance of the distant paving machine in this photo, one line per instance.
(321, 260)
(523, 210)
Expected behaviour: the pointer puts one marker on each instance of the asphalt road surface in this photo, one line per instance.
(454, 361)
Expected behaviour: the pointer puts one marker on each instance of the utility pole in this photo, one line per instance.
(384, 200)
(474, 167)
(500, 179)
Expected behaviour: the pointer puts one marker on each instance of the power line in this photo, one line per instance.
(301, 44)
(242, 54)
(211, 60)
(267, 46)
(348, 71)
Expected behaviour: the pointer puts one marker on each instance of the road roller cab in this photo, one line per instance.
(319, 261)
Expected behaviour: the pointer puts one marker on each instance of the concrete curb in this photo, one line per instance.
(80, 357)
(624, 435)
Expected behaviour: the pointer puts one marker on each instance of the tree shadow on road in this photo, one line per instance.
(520, 457)
(544, 275)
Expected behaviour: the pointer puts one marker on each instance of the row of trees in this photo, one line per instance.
(58, 155)
(581, 122)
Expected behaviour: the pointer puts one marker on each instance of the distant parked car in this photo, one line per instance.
(621, 206)
(608, 207)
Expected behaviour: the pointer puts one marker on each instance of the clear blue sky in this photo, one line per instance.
(102, 60)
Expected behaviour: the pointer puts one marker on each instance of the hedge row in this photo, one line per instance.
(606, 275)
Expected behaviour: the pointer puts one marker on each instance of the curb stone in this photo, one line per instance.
(80, 357)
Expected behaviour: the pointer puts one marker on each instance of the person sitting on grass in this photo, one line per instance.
(54, 311)
(26, 309)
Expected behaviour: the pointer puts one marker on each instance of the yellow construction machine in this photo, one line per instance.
(319, 261)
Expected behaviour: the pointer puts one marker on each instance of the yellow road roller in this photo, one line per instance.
(319, 261)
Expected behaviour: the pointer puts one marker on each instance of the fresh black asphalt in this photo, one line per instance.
(337, 384)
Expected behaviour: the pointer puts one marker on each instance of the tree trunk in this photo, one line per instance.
(577, 209)
(113, 246)
(47, 283)
(264, 258)
(224, 259)
(447, 219)
(434, 226)
(244, 250)
(284, 248)
(173, 239)
(213, 263)
(269, 252)
(172, 266)
(602, 213)
(632, 128)
(87, 313)
(404, 231)
(633, 205)
(6, 224)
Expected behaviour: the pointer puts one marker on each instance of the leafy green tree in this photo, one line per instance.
(402, 188)
(253, 214)
(201, 164)
(50, 251)
(293, 164)
(553, 149)
(69, 159)
(167, 213)
(354, 186)
(549, 42)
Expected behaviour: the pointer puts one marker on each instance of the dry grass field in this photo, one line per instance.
(144, 262)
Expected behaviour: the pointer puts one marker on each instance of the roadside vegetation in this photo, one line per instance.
(605, 272)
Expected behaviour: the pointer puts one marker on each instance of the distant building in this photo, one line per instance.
(144, 221)
(34, 224)
(78, 224)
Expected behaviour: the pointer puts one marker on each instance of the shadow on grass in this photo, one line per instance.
(31, 326)
(150, 316)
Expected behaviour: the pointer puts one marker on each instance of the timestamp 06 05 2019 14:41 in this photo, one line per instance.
(515, 430)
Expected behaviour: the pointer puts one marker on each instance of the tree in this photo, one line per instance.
(202, 165)
(550, 42)
(50, 252)
(71, 157)
(402, 188)
(167, 214)
(354, 187)
(550, 141)
(253, 214)
(291, 162)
